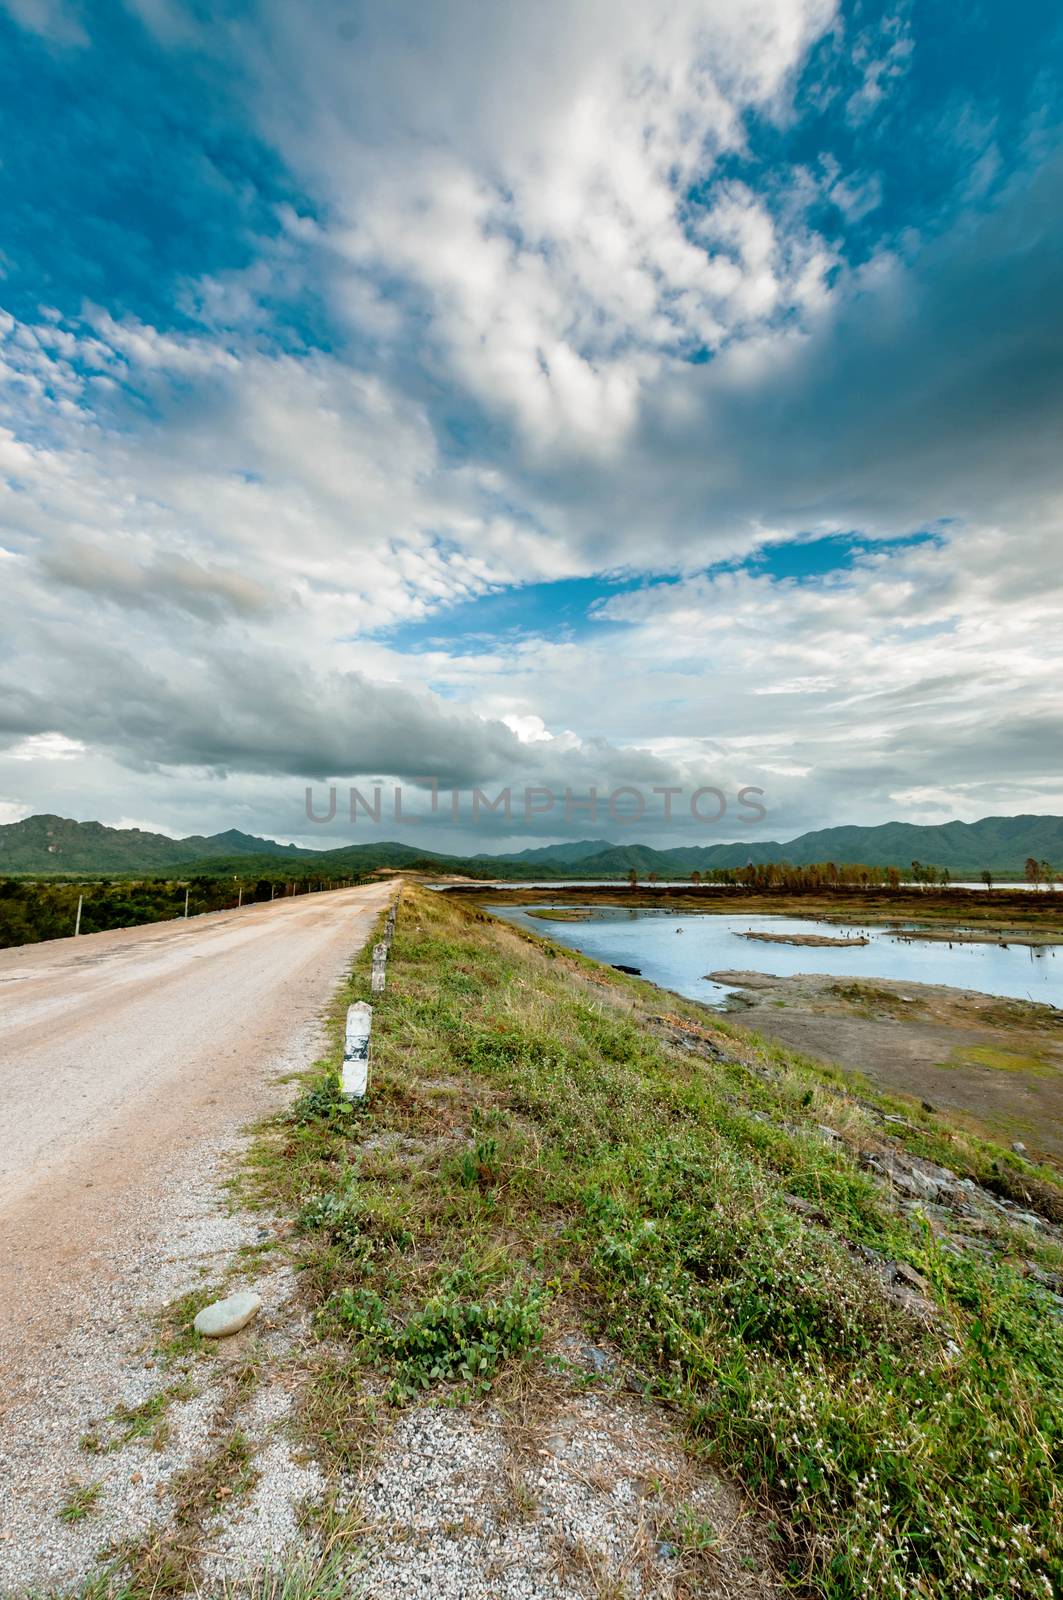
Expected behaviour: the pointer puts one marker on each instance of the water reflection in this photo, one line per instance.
(645, 937)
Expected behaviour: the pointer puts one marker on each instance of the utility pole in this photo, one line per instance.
(77, 924)
(240, 901)
(272, 890)
(186, 902)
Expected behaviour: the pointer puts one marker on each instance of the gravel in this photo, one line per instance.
(104, 1360)
(265, 1530)
(457, 1511)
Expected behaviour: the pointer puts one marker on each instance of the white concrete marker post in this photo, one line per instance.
(355, 1077)
(379, 978)
(77, 924)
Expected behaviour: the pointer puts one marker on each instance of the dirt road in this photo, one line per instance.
(122, 1054)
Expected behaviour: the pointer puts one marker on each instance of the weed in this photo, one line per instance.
(313, 1578)
(322, 1104)
(147, 1419)
(81, 1502)
(691, 1534)
(447, 1339)
(478, 1168)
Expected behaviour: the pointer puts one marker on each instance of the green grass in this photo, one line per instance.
(983, 1055)
(534, 1146)
(81, 1502)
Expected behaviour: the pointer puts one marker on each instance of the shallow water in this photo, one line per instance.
(677, 951)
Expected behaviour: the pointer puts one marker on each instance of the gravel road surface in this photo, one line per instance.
(122, 1054)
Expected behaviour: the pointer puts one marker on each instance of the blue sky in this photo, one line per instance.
(581, 396)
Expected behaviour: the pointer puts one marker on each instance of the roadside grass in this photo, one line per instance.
(314, 1578)
(81, 1502)
(538, 1142)
(165, 1560)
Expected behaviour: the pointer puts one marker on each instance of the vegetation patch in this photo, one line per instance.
(537, 1135)
(449, 1338)
(981, 1055)
(80, 1503)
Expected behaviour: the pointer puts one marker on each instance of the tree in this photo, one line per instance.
(633, 878)
(1048, 877)
(695, 877)
(653, 877)
(1033, 870)
(987, 877)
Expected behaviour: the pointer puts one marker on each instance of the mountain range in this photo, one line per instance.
(49, 845)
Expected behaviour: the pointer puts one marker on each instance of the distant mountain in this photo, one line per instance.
(57, 844)
(49, 845)
(1000, 845)
(553, 854)
(996, 844)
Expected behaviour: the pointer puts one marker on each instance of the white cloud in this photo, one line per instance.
(47, 747)
(527, 222)
(531, 186)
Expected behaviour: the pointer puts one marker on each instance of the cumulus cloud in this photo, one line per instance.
(534, 185)
(559, 319)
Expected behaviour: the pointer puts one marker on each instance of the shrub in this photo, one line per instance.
(450, 1338)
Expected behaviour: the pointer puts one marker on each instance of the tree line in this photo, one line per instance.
(31, 910)
(782, 876)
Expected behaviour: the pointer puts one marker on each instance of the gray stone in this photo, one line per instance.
(907, 1275)
(223, 1317)
(598, 1360)
(909, 1179)
(1018, 1148)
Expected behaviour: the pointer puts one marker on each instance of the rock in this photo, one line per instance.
(903, 1285)
(922, 1182)
(598, 1360)
(223, 1317)
(1018, 1148)
(917, 1305)
(806, 1208)
(828, 1133)
(903, 1273)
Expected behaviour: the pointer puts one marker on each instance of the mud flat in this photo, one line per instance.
(815, 940)
(1001, 935)
(996, 1062)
